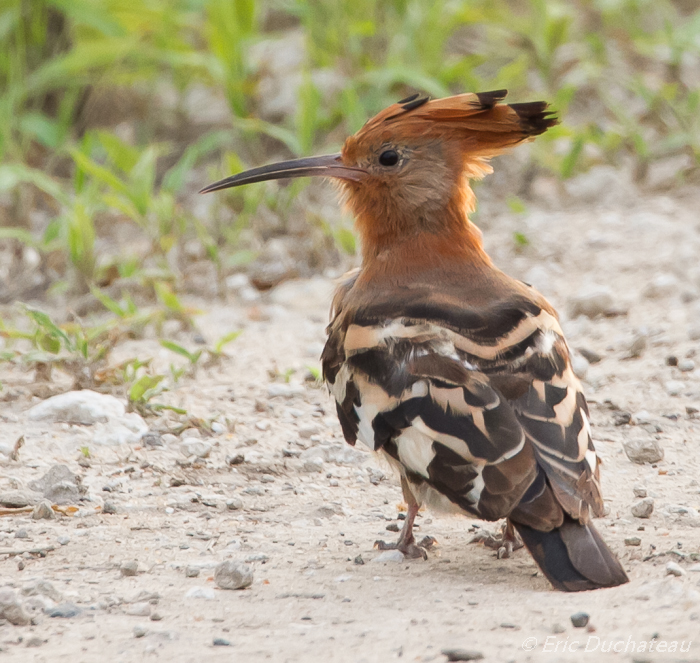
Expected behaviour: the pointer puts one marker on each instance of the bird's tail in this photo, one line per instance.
(573, 557)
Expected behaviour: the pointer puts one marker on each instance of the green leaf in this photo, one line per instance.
(146, 383)
(168, 297)
(178, 349)
(225, 340)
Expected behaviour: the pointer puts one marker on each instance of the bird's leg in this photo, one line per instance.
(407, 543)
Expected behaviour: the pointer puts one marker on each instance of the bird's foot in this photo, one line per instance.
(409, 548)
(503, 542)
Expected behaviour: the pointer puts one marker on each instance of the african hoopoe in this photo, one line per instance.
(457, 373)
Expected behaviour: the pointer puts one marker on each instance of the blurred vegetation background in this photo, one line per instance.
(113, 113)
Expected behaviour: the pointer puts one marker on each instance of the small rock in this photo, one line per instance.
(591, 356)
(392, 527)
(663, 285)
(35, 641)
(41, 587)
(233, 575)
(109, 507)
(580, 619)
(64, 611)
(60, 486)
(462, 654)
(217, 428)
(686, 365)
(644, 508)
(238, 459)
(78, 407)
(129, 568)
(358, 560)
(17, 499)
(191, 446)
(138, 610)
(639, 491)
(21, 534)
(637, 347)
(306, 432)
(673, 569)
(633, 541)
(191, 432)
(558, 628)
(11, 609)
(621, 418)
(674, 387)
(201, 593)
(234, 503)
(671, 360)
(155, 617)
(643, 450)
(267, 478)
(221, 642)
(191, 571)
(140, 631)
(592, 302)
(63, 540)
(390, 556)
(152, 439)
(313, 465)
(280, 389)
(169, 439)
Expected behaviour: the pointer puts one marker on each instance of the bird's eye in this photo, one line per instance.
(388, 158)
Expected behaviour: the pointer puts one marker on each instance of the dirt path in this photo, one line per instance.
(303, 508)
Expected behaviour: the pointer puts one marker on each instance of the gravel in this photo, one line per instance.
(643, 450)
(580, 619)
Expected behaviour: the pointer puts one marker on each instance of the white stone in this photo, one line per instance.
(233, 575)
(138, 609)
(663, 285)
(390, 556)
(674, 387)
(206, 593)
(591, 302)
(79, 407)
(191, 446)
(280, 389)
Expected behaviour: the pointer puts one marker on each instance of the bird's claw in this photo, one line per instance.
(409, 548)
(504, 543)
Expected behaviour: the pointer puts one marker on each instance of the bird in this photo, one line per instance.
(458, 374)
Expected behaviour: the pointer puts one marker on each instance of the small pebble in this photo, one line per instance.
(462, 654)
(233, 575)
(558, 628)
(217, 428)
(580, 619)
(21, 534)
(686, 365)
(389, 556)
(639, 491)
(155, 617)
(267, 478)
(140, 631)
(234, 503)
(130, 568)
(109, 507)
(671, 360)
(358, 560)
(43, 511)
(191, 571)
(673, 569)
(200, 593)
(237, 459)
(221, 642)
(633, 541)
(643, 450)
(138, 609)
(35, 641)
(644, 508)
(674, 387)
(64, 611)
(63, 540)
(191, 446)
(392, 527)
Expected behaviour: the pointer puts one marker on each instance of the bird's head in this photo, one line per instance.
(406, 170)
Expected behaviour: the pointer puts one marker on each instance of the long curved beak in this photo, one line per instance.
(329, 165)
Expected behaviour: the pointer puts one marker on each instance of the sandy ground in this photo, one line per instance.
(303, 524)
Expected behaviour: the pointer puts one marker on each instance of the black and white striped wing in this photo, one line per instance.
(485, 420)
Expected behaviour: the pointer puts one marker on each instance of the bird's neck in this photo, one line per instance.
(395, 245)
